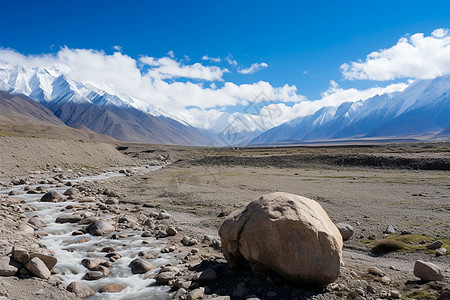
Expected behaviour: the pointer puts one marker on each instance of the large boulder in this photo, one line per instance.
(99, 227)
(288, 234)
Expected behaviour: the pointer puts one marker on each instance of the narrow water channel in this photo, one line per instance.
(69, 251)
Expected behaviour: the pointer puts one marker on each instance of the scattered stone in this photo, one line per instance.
(395, 294)
(93, 275)
(101, 268)
(161, 234)
(38, 268)
(48, 260)
(171, 231)
(375, 271)
(346, 230)
(153, 214)
(164, 278)
(91, 263)
(208, 275)
(111, 288)
(163, 215)
(80, 289)
(180, 293)
(384, 294)
(360, 292)
(108, 249)
(37, 221)
(427, 271)
(386, 280)
(256, 235)
(441, 251)
(99, 227)
(68, 219)
(52, 196)
(14, 193)
(140, 266)
(26, 229)
(110, 201)
(20, 255)
(71, 192)
(187, 241)
(435, 245)
(389, 230)
(8, 266)
(196, 294)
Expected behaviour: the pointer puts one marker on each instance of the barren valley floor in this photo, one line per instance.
(369, 187)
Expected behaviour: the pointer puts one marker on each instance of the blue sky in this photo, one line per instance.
(303, 43)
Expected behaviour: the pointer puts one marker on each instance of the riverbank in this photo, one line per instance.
(199, 195)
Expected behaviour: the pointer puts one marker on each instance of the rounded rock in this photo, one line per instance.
(311, 244)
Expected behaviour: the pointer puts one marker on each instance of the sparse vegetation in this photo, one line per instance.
(388, 245)
(421, 295)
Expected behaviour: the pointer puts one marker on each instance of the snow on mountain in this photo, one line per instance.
(239, 129)
(54, 84)
(84, 104)
(420, 111)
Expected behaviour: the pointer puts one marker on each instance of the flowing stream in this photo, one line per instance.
(70, 252)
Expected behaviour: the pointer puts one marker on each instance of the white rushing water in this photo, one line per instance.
(70, 252)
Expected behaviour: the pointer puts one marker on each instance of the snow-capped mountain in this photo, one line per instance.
(83, 104)
(420, 111)
(239, 129)
(50, 84)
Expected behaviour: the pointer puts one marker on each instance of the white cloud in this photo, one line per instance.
(214, 59)
(197, 103)
(166, 68)
(253, 68)
(120, 74)
(418, 56)
(231, 61)
(278, 113)
(117, 48)
(171, 54)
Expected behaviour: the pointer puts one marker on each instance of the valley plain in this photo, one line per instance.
(369, 186)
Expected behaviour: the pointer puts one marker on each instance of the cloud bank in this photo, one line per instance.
(418, 56)
(165, 82)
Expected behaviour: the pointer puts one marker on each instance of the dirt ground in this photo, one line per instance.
(367, 186)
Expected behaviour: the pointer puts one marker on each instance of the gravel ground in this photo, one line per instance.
(201, 186)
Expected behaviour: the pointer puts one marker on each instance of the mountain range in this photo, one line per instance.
(82, 104)
(422, 111)
(20, 115)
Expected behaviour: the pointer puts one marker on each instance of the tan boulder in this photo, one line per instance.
(49, 261)
(111, 288)
(80, 289)
(288, 234)
(37, 267)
